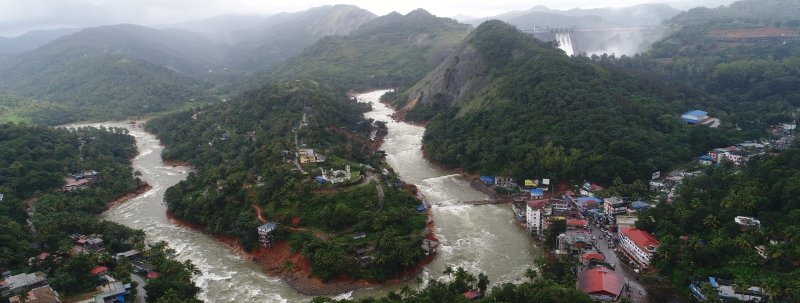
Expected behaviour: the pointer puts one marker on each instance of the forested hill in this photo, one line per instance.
(246, 155)
(529, 110)
(109, 72)
(767, 12)
(750, 65)
(391, 51)
(282, 36)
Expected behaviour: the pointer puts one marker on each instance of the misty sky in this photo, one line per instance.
(19, 16)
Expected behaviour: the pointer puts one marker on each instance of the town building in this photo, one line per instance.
(577, 224)
(601, 284)
(265, 233)
(747, 222)
(574, 241)
(336, 176)
(505, 182)
(694, 117)
(12, 284)
(42, 294)
(112, 292)
(537, 193)
(726, 291)
(309, 156)
(613, 206)
(638, 245)
(534, 216)
(705, 160)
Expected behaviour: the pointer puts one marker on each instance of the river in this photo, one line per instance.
(478, 238)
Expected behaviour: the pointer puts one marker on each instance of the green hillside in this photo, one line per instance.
(390, 51)
(520, 107)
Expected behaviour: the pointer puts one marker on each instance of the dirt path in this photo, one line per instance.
(259, 214)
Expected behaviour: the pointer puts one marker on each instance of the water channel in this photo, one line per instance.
(478, 238)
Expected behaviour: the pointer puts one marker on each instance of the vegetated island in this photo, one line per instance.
(288, 176)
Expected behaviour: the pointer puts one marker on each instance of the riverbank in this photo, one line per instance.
(141, 189)
(295, 269)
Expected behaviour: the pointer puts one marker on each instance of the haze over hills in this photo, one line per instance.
(31, 40)
(390, 51)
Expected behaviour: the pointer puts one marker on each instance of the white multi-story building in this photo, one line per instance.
(534, 216)
(638, 245)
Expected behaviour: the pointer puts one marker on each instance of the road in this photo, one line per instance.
(141, 294)
(631, 277)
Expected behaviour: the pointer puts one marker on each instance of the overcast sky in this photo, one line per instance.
(18, 16)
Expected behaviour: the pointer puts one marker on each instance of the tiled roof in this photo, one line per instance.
(639, 237)
(600, 280)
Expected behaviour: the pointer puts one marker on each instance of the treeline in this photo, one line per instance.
(547, 115)
(540, 287)
(34, 162)
(243, 151)
(699, 237)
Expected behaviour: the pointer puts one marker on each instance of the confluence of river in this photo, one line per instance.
(479, 238)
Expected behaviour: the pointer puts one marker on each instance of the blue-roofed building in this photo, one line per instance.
(320, 179)
(537, 193)
(640, 205)
(695, 116)
(705, 160)
(489, 180)
(421, 208)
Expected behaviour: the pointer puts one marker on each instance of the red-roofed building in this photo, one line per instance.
(472, 295)
(577, 224)
(98, 270)
(592, 256)
(601, 284)
(534, 214)
(152, 275)
(638, 245)
(43, 256)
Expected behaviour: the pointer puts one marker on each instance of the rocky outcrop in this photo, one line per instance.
(459, 78)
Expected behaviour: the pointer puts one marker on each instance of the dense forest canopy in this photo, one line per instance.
(34, 162)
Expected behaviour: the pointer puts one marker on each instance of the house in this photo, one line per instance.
(638, 245)
(726, 291)
(705, 160)
(557, 208)
(73, 184)
(747, 222)
(534, 215)
(128, 254)
(694, 117)
(112, 292)
(359, 235)
(265, 235)
(98, 270)
(587, 202)
(588, 257)
(574, 240)
(337, 176)
(537, 193)
(613, 206)
(577, 224)
(639, 206)
(530, 183)
(429, 246)
(626, 221)
(42, 294)
(505, 182)
(308, 156)
(12, 284)
(472, 295)
(601, 284)
(488, 180)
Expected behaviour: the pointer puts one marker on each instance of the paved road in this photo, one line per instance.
(626, 271)
(141, 294)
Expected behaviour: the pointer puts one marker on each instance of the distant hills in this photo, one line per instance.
(122, 70)
(389, 51)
